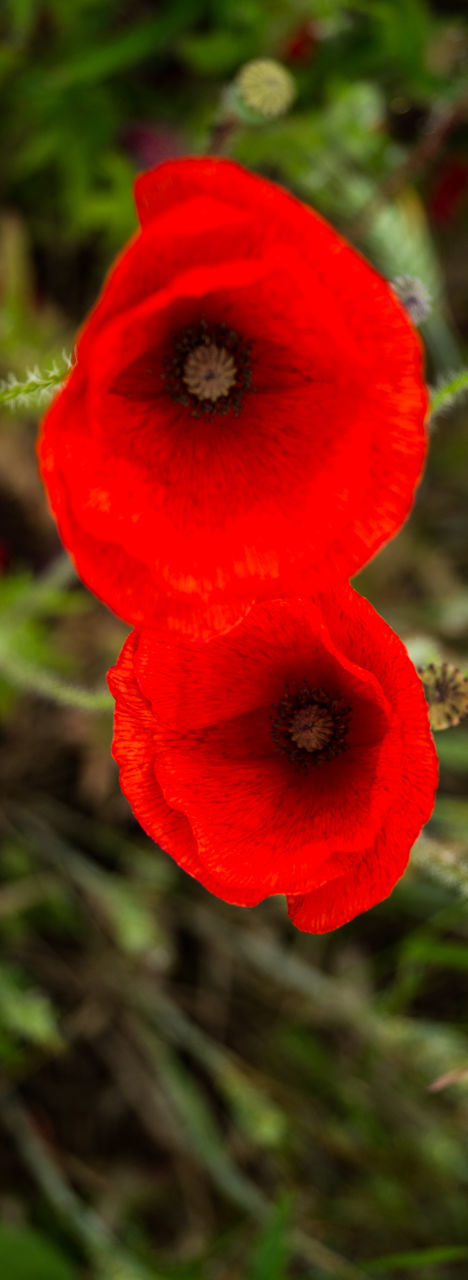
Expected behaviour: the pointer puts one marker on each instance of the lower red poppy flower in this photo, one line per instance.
(291, 755)
(246, 411)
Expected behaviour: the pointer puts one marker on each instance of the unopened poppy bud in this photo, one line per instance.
(264, 88)
(414, 296)
(446, 693)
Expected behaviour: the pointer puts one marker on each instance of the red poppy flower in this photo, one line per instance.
(291, 755)
(246, 410)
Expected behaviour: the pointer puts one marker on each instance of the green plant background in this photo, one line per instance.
(189, 1090)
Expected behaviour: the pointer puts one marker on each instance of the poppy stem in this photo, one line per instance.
(19, 395)
(46, 684)
(448, 393)
(40, 595)
(220, 133)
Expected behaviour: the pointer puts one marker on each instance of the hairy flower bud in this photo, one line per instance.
(414, 296)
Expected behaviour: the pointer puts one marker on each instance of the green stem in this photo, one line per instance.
(38, 594)
(18, 394)
(444, 396)
(24, 675)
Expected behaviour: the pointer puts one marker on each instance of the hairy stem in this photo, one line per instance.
(24, 675)
(19, 395)
(444, 396)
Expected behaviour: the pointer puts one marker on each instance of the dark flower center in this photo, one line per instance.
(208, 369)
(311, 726)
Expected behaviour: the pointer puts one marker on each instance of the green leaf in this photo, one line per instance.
(416, 1258)
(428, 951)
(116, 1267)
(353, 120)
(133, 921)
(125, 49)
(219, 53)
(203, 1135)
(26, 1012)
(258, 1117)
(272, 1250)
(27, 1255)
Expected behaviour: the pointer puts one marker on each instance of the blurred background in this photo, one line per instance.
(189, 1090)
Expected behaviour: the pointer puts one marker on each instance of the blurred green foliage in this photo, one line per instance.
(26, 1255)
(189, 1091)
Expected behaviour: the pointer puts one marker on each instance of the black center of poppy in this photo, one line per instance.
(208, 369)
(311, 726)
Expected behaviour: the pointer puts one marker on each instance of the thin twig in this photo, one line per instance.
(439, 125)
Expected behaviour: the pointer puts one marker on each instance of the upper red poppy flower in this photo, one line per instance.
(246, 413)
(291, 755)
